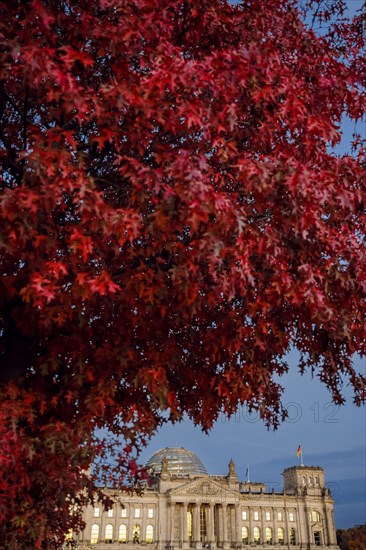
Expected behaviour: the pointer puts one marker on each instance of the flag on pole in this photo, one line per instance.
(247, 473)
(298, 452)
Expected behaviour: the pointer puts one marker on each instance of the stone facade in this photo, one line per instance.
(182, 511)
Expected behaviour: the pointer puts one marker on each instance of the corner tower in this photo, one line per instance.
(304, 480)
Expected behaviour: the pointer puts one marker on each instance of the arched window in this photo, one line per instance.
(136, 534)
(149, 534)
(281, 536)
(122, 536)
(109, 533)
(292, 536)
(94, 535)
(257, 535)
(268, 535)
(244, 535)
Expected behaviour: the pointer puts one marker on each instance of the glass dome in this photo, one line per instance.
(179, 461)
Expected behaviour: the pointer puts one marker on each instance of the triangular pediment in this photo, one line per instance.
(205, 487)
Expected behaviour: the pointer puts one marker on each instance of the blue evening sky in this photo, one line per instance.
(334, 438)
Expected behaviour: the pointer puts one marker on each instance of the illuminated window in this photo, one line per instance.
(279, 516)
(110, 513)
(292, 536)
(268, 535)
(136, 534)
(280, 536)
(256, 516)
(257, 535)
(123, 512)
(94, 535)
(189, 525)
(137, 512)
(150, 513)
(291, 516)
(314, 515)
(97, 512)
(244, 515)
(108, 533)
(268, 516)
(244, 535)
(203, 523)
(122, 536)
(149, 534)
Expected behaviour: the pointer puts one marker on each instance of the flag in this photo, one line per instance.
(298, 452)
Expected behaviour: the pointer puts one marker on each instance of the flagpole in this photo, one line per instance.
(301, 459)
(248, 480)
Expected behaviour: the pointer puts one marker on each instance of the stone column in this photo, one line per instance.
(238, 525)
(275, 526)
(232, 538)
(210, 524)
(220, 523)
(263, 526)
(172, 521)
(197, 526)
(130, 521)
(307, 529)
(250, 534)
(184, 525)
(327, 527)
(224, 526)
(143, 524)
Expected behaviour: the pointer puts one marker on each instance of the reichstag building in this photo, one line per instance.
(186, 508)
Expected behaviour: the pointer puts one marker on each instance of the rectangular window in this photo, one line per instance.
(268, 516)
(279, 516)
(203, 523)
(150, 513)
(97, 512)
(137, 512)
(244, 515)
(256, 516)
(124, 512)
(110, 513)
(291, 516)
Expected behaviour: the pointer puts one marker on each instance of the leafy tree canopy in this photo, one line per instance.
(353, 538)
(173, 221)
